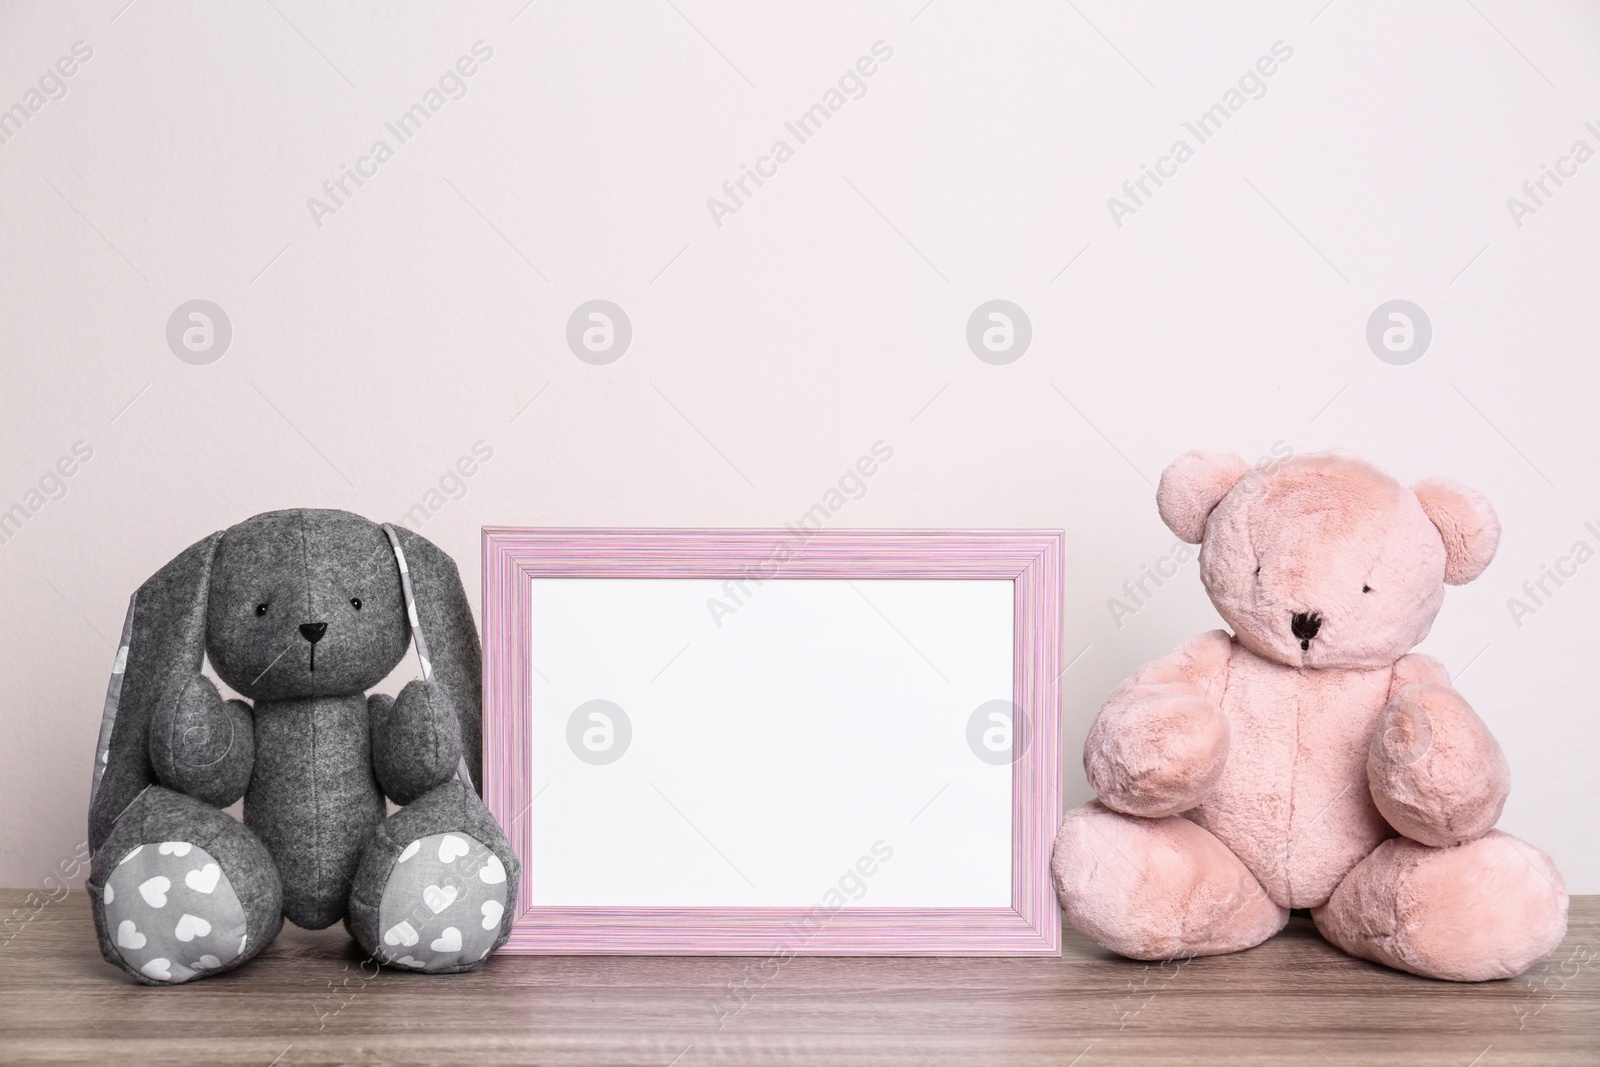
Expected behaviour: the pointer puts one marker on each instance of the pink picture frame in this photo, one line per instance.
(1031, 559)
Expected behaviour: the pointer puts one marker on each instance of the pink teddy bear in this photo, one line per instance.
(1310, 759)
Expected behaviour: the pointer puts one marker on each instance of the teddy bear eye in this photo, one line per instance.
(355, 602)
(261, 609)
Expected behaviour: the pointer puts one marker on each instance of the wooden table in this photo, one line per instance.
(309, 1000)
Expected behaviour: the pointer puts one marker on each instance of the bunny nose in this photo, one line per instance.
(313, 631)
(1303, 625)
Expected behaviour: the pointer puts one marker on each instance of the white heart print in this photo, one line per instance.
(130, 855)
(175, 848)
(451, 848)
(206, 963)
(410, 850)
(154, 891)
(402, 933)
(128, 935)
(157, 968)
(111, 894)
(439, 899)
(493, 872)
(205, 879)
(190, 927)
(449, 941)
(492, 911)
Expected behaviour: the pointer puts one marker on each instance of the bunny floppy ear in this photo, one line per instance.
(163, 644)
(1466, 521)
(445, 635)
(1192, 486)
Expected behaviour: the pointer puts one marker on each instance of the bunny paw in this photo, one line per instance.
(172, 913)
(442, 904)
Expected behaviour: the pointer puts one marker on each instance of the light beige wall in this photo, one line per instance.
(375, 345)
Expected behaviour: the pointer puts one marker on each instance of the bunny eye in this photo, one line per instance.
(1366, 588)
(261, 609)
(355, 602)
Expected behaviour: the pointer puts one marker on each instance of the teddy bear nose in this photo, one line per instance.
(1303, 625)
(313, 631)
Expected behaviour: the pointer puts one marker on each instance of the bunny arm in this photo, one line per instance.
(1435, 771)
(1160, 740)
(416, 740)
(202, 745)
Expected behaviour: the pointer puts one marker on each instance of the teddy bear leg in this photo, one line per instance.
(1490, 908)
(1158, 889)
(180, 890)
(436, 886)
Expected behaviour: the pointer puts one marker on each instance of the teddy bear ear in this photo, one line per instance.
(1466, 521)
(1191, 486)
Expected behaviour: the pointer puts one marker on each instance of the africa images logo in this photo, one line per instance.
(1251, 85)
(52, 86)
(452, 85)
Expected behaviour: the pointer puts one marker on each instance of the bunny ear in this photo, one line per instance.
(1466, 521)
(1192, 486)
(445, 635)
(163, 644)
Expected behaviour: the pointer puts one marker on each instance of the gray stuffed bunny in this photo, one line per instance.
(300, 611)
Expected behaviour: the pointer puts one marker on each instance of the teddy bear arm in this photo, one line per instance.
(1435, 771)
(203, 746)
(1417, 669)
(416, 740)
(1160, 741)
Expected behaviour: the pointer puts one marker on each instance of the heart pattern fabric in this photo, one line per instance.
(438, 903)
(203, 879)
(172, 913)
(439, 899)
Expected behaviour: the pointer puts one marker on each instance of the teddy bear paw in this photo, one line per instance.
(1487, 909)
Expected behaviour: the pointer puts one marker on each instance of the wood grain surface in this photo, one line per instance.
(309, 999)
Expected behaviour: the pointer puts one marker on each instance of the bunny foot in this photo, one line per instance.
(180, 890)
(443, 878)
